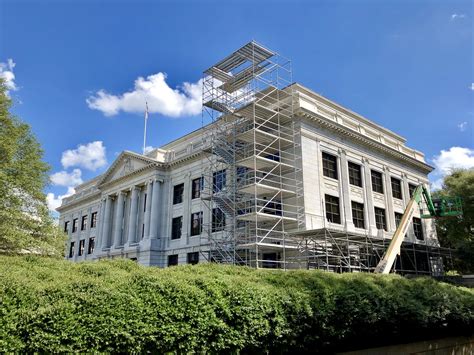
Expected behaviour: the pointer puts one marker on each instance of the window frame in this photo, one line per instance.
(66, 226)
(84, 222)
(379, 215)
(331, 216)
(193, 231)
(178, 193)
(190, 258)
(82, 245)
(418, 228)
(359, 222)
(218, 225)
(174, 258)
(72, 250)
(197, 188)
(219, 180)
(396, 192)
(354, 167)
(91, 246)
(328, 170)
(411, 189)
(174, 233)
(374, 175)
(93, 219)
(74, 225)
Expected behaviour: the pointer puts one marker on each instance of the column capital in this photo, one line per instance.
(365, 160)
(341, 151)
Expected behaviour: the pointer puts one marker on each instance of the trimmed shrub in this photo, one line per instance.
(50, 305)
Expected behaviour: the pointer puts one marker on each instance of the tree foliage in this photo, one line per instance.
(458, 233)
(25, 224)
(118, 306)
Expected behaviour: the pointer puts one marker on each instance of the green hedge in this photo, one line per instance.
(52, 305)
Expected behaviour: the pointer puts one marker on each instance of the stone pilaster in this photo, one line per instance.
(155, 205)
(149, 196)
(345, 191)
(132, 224)
(389, 213)
(106, 226)
(118, 220)
(369, 200)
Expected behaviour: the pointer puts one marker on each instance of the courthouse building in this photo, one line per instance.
(279, 176)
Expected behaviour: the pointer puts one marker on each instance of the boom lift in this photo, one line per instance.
(442, 207)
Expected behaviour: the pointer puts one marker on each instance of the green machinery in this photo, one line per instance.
(429, 208)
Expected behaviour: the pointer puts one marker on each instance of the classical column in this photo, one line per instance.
(155, 204)
(106, 224)
(369, 201)
(118, 220)
(346, 197)
(389, 213)
(100, 223)
(149, 197)
(132, 223)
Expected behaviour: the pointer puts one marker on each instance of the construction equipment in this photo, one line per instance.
(429, 208)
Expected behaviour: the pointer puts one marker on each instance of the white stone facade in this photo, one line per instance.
(134, 198)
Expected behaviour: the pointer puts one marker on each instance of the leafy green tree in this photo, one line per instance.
(25, 223)
(458, 233)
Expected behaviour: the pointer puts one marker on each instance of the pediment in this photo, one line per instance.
(125, 164)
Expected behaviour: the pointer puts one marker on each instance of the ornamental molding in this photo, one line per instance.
(366, 141)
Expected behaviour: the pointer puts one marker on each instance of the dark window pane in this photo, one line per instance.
(91, 245)
(178, 194)
(396, 188)
(412, 189)
(377, 181)
(84, 223)
(355, 175)
(329, 165)
(197, 187)
(74, 225)
(218, 220)
(176, 227)
(94, 220)
(193, 258)
(196, 223)
(380, 220)
(418, 228)
(66, 227)
(358, 214)
(71, 249)
(218, 180)
(173, 260)
(332, 209)
(398, 218)
(82, 243)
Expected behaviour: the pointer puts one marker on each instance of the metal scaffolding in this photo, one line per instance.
(252, 193)
(252, 187)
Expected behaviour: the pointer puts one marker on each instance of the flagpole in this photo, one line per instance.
(144, 132)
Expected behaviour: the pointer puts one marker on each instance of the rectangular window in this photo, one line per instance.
(358, 214)
(178, 191)
(94, 219)
(355, 175)
(82, 243)
(74, 225)
(380, 220)
(396, 188)
(411, 188)
(218, 220)
(84, 223)
(398, 218)
(330, 165)
(197, 187)
(332, 209)
(71, 249)
(176, 227)
(66, 227)
(193, 258)
(196, 223)
(377, 181)
(173, 260)
(418, 228)
(218, 180)
(91, 247)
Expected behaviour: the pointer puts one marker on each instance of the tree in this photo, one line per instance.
(25, 223)
(458, 233)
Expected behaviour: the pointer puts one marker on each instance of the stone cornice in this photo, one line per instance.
(80, 200)
(425, 168)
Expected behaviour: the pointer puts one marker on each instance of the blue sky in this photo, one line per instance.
(407, 65)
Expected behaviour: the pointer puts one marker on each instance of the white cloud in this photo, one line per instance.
(457, 16)
(181, 101)
(63, 178)
(472, 86)
(448, 160)
(55, 201)
(90, 156)
(6, 73)
(462, 126)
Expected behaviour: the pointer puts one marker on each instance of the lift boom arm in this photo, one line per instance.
(385, 265)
